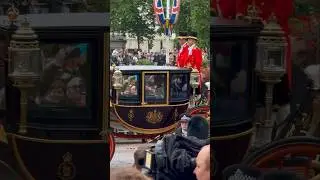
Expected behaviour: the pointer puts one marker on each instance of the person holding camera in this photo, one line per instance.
(175, 155)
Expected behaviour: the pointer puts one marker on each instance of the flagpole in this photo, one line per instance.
(167, 37)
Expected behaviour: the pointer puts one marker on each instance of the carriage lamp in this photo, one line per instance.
(194, 83)
(117, 79)
(24, 66)
(270, 65)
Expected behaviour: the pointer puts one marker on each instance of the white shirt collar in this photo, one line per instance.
(190, 49)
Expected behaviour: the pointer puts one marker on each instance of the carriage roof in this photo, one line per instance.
(152, 68)
(54, 20)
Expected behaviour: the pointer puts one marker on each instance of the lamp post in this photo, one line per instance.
(270, 66)
(117, 80)
(194, 83)
(24, 66)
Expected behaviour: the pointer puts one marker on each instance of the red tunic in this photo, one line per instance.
(183, 56)
(194, 58)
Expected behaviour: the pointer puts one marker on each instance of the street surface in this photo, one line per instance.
(123, 156)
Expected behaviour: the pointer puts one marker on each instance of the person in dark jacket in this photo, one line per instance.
(198, 127)
(176, 154)
(176, 157)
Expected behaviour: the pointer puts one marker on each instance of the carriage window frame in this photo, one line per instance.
(174, 99)
(244, 49)
(134, 98)
(166, 85)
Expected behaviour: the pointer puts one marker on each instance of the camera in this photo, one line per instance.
(156, 162)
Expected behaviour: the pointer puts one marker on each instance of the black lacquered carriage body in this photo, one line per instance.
(76, 38)
(233, 53)
(59, 129)
(152, 97)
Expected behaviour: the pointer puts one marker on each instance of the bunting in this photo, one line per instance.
(169, 18)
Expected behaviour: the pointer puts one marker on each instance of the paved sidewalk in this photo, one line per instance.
(123, 155)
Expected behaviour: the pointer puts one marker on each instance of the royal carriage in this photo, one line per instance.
(234, 97)
(148, 100)
(61, 117)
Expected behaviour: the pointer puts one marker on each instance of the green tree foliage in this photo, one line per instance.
(134, 17)
(127, 17)
(195, 16)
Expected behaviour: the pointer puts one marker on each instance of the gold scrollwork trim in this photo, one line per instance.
(167, 86)
(131, 114)
(175, 114)
(232, 136)
(49, 141)
(66, 169)
(142, 130)
(147, 105)
(154, 117)
(20, 162)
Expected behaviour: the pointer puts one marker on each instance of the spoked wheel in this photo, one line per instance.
(112, 145)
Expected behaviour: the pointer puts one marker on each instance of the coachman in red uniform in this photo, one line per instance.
(194, 60)
(183, 52)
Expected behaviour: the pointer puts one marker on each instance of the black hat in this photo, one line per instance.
(198, 127)
(192, 35)
(182, 35)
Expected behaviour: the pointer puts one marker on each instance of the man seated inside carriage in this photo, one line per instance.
(179, 86)
(130, 86)
(154, 86)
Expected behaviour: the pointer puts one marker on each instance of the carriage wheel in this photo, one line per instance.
(294, 151)
(112, 145)
(201, 110)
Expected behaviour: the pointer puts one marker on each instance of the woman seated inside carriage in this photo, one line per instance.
(130, 87)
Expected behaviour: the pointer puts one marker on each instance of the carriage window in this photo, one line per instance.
(155, 88)
(130, 87)
(179, 87)
(230, 79)
(65, 76)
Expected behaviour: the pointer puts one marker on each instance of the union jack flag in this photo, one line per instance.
(175, 9)
(159, 12)
(167, 23)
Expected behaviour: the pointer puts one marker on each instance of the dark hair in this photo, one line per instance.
(280, 175)
(198, 127)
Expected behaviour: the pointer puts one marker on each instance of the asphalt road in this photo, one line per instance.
(123, 156)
